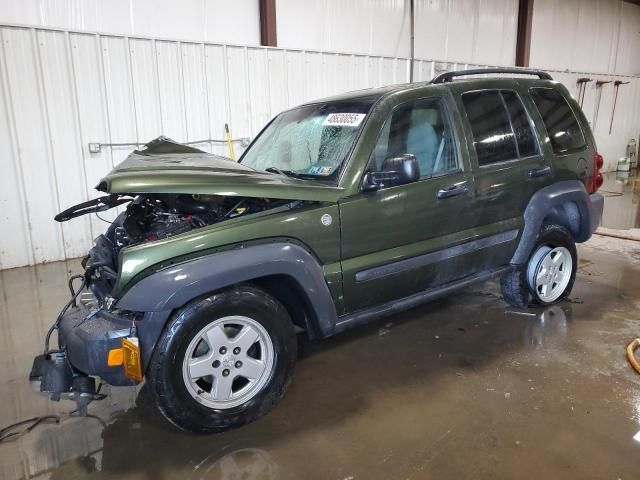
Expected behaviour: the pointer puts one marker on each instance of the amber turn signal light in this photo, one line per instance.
(115, 357)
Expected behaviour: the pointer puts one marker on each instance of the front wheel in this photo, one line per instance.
(223, 361)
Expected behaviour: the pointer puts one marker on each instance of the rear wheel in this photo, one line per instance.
(223, 361)
(548, 275)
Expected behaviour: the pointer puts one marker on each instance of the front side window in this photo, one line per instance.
(311, 141)
(420, 128)
(564, 131)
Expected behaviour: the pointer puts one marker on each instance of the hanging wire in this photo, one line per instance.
(103, 219)
(72, 301)
(10, 432)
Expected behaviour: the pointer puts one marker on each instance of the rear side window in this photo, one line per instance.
(525, 140)
(563, 128)
(500, 125)
(492, 134)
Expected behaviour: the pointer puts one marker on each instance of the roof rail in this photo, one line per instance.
(448, 76)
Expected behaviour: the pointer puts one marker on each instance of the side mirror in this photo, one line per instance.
(396, 170)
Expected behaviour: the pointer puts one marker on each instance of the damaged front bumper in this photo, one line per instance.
(85, 337)
(88, 334)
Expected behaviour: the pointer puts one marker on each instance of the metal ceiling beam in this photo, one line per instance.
(268, 34)
(523, 39)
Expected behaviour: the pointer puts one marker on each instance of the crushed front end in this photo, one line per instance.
(90, 335)
(95, 338)
(163, 190)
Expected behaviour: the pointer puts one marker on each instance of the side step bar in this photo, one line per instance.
(361, 317)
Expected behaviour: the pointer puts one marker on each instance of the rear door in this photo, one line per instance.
(508, 163)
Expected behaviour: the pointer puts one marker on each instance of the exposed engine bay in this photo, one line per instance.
(152, 217)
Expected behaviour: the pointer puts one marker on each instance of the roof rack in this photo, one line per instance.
(448, 76)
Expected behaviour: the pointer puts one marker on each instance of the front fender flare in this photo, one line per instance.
(174, 286)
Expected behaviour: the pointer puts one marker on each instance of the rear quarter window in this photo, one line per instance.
(562, 126)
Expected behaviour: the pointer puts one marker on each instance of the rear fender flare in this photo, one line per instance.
(569, 202)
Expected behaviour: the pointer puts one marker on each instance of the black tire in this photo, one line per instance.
(517, 290)
(168, 390)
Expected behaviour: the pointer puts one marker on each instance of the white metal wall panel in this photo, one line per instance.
(479, 31)
(171, 89)
(191, 20)
(17, 247)
(259, 87)
(586, 35)
(238, 87)
(495, 38)
(313, 75)
(278, 81)
(374, 27)
(195, 92)
(628, 52)
(217, 93)
(296, 67)
(66, 146)
(60, 90)
(146, 93)
(39, 178)
(92, 114)
(118, 84)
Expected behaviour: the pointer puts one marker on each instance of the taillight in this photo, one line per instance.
(595, 181)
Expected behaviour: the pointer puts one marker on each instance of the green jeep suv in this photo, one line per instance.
(341, 211)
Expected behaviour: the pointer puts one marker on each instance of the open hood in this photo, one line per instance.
(165, 166)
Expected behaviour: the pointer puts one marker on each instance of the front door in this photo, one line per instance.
(400, 240)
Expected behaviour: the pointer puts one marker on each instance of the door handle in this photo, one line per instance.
(452, 191)
(539, 172)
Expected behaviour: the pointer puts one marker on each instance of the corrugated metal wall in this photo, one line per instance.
(479, 31)
(234, 21)
(61, 90)
(476, 31)
(601, 36)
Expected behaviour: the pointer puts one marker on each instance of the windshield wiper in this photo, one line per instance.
(99, 204)
(287, 173)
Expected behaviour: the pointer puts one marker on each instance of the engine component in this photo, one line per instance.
(154, 217)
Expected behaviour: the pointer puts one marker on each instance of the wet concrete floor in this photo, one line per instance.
(465, 387)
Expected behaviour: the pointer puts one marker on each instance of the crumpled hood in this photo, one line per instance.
(165, 166)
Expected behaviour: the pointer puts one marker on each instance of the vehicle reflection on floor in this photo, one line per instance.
(461, 388)
(552, 322)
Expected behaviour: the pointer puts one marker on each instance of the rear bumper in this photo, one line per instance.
(595, 211)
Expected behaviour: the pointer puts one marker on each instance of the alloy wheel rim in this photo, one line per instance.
(228, 362)
(549, 272)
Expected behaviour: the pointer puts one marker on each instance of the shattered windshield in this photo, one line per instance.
(311, 141)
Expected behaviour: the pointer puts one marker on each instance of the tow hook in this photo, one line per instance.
(53, 374)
